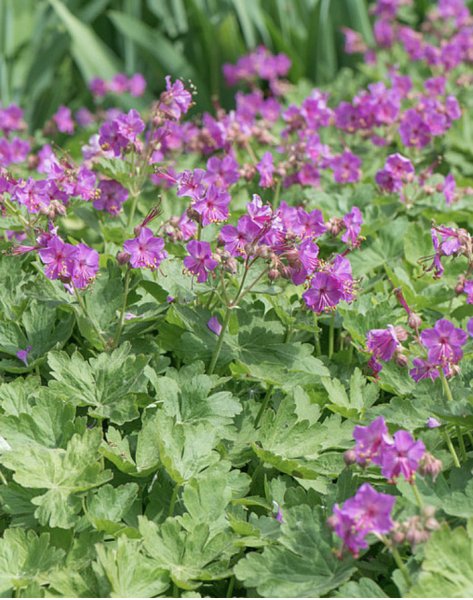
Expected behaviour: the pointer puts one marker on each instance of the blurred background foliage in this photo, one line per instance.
(50, 49)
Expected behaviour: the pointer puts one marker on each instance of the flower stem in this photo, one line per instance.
(419, 500)
(318, 349)
(461, 442)
(218, 347)
(452, 449)
(121, 320)
(402, 567)
(331, 336)
(263, 405)
(446, 387)
(134, 202)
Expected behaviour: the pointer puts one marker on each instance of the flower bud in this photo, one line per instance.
(432, 524)
(273, 274)
(414, 321)
(123, 258)
(401, 359)
(349, 457)
(429, 465)
(398, 537)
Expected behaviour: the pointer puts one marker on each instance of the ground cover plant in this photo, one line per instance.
(235, 347)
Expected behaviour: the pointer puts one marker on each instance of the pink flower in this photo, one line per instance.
(444, 342)
(214, 325)
(146, 251)
(86, 265)
(59, 259)
(401, 456)
(200, 261)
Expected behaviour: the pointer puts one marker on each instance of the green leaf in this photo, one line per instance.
(302, 564)
(107, 384)
(362, 395)
(189, 556)
(185, 449)
(364, 588)
(447, 570)
(296, 447)
(107, 507)
(93, 57)
(25, 559)
(63, 473)
(128, 573)
(187, 395)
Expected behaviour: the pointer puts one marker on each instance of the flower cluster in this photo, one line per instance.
(442, 344)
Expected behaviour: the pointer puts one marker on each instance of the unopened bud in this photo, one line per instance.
(123, 258)
(429, 465)
(349, 457)
(432, 524)
(401, 359)
(273, 274)
(429, 511)
(398, 537)
(414, 321)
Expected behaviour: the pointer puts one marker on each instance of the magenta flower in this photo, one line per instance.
(444, 342)
(325, 292)
(214, 325)
(423, 369)
(382, 342)
(433, 423)
(367, 512)
(369, 441)
(401, 456)
(137, 85)
(449, 188)
(200, 261)
(112, 196)
(213, 206)
(346, 167)
(23, 355)
(86, 265)
(469, 326)
(353, 222)
(59, 259)
(266, 169)
(176, 100)
(146, 251)
(63, 120)
(236, 238)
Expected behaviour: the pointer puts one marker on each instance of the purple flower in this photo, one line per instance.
(432, 423)
(63, 120)
(469, 326)
(213, 207)
(401, 456)
(112, 196)
(98, 87)
(448, 189)
(119, 84)
(325, 292)
(382, 342)
(23, 355)
(236, 238)
(346, 167)
(413, 131)
(214, 325)
(176, 100)
(59, 259)
(137, 85)
(130, 125)
(353, 222)
(369, 440)
(266, 169)
(200, 261)
(444, 342)
(423, 369)
(86, 265)
(146, 251)
(367, 512)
